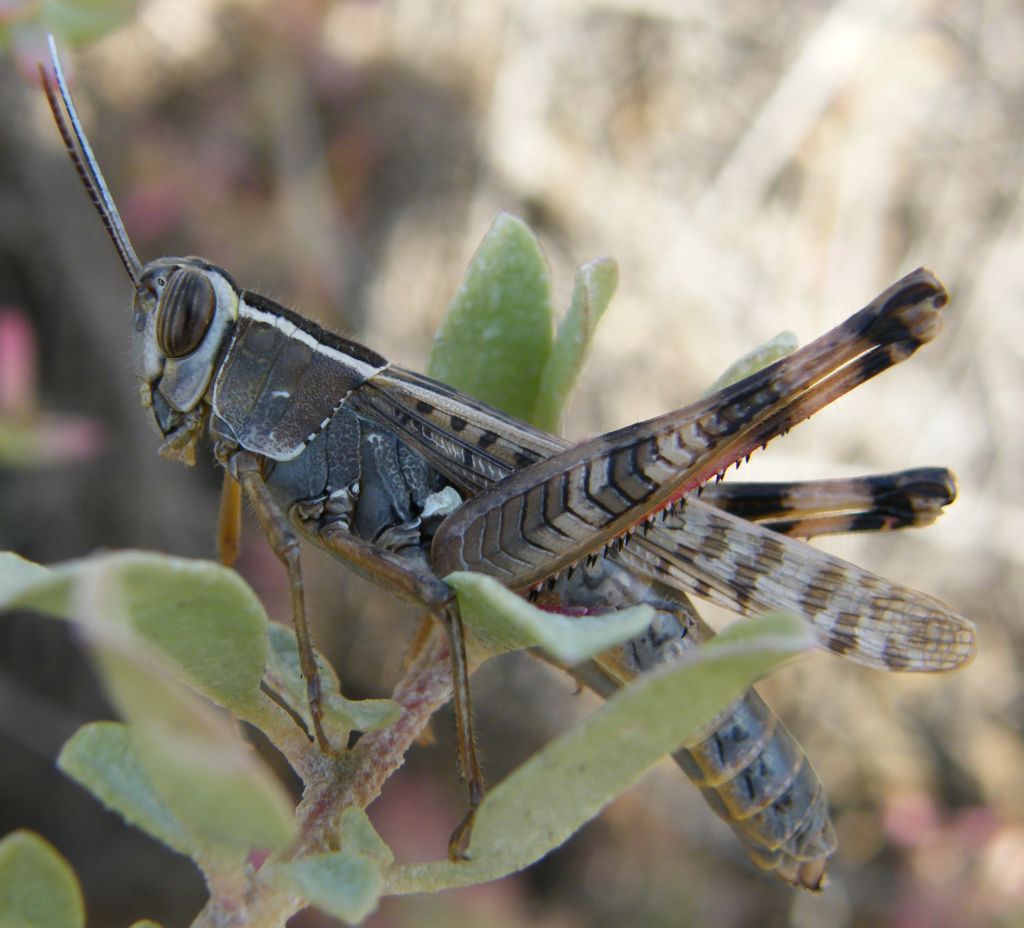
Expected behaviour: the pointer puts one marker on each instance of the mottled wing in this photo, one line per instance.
(748, 569)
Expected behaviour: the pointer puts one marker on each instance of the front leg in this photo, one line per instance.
(403, 574)
(245, 468)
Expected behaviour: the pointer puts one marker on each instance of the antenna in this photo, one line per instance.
(77, 145)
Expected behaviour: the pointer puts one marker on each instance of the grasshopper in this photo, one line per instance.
(407, 480)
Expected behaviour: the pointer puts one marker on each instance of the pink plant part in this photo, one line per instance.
(28, 436)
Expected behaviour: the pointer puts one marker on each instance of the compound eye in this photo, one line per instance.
(185, 312)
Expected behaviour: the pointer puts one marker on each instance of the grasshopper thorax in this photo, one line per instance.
(184, 311)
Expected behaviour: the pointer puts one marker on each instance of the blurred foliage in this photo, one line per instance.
(23, 22)
(37, 887)
(179, 770)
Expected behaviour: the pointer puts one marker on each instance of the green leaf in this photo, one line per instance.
(496, 338)
(217, 786)
(592, 292)
(191, 751)
(210, 779)
(345, 883)
(554, 793)
(81, 21)
(17, 576)
(359, 837)
(158, 625)
(103, 758)
(285, 677)
(25, 585)
(200, 616)
(753, 361)
(38, 889)
(362, 715)
(503, 621)
(341, 884)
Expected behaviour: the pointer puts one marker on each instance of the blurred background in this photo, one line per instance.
(753, 167)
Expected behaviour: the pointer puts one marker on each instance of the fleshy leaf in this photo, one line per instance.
(102, 757)
(18, 575)
(202, 617)
(345, 883)
(285, 676)
(339, 883)
(754, 360)
(154, 621)
(81, 21)
(38, 888)
(228, 799)
(359, 837)
(26, 585)
(197, 762)
(496, 337)
(592, 292)
(554, 793)
(363, 715)
(191, 751)
(503, 621)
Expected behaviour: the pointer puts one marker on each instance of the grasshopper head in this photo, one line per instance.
(184, 311)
